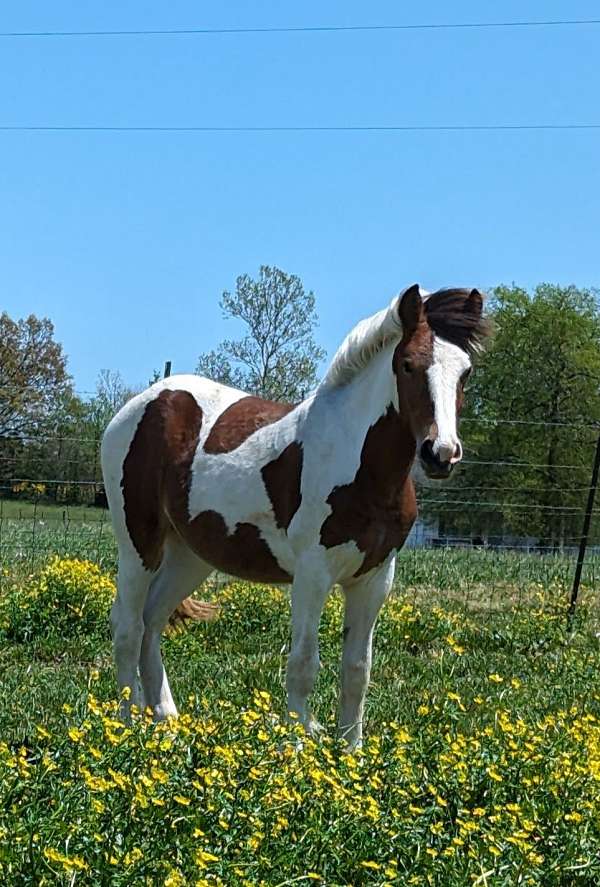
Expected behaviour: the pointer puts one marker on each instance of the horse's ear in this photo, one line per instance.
(410, 309)
(474, 304)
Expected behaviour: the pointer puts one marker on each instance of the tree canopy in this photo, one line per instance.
(277, 358)
(33, 374)
(529, 427)
(531, 416)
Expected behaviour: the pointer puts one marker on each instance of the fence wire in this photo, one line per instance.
(500, 535)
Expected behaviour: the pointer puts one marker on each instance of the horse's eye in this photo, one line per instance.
(464, 377)
(407, 366)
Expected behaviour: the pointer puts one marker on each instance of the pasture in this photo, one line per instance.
(482, 756)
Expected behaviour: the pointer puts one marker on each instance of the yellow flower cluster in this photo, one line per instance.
(239, 797)
(67, 596)
(470, 773)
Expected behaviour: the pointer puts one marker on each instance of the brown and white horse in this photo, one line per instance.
(200, 477)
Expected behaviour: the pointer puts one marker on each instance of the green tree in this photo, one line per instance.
(111, 394)
(33, 374)
(34, 388)
(277, 358)
(532, 405)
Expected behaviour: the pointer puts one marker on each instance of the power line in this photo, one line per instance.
(467, 127)
(301, 29)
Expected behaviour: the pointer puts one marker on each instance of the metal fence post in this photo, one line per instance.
(585, 532)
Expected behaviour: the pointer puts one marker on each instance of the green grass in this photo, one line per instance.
(31, 532)
(22, 509)
(482, 764)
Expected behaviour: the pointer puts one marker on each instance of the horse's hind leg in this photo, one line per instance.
(127, 623)
(179, 574)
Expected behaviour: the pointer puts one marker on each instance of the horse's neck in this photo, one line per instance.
(374, 387)
(383, 434)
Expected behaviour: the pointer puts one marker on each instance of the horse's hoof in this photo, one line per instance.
(314, 729)
(164, 713)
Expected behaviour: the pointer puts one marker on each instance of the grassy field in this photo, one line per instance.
(481, 766)
(31, 532)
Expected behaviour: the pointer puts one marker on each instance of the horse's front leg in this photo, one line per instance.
(364, 600)
(309, 593)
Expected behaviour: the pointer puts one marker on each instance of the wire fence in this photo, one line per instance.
(496, 530)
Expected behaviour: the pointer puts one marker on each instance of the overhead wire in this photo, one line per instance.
(305, 29)
(372, 128)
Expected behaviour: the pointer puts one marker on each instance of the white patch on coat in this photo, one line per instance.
(362, 343)
(449, 363)
(331, 426)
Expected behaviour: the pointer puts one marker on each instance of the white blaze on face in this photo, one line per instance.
(449, 363)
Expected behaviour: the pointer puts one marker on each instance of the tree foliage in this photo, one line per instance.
(111, 394)
(277, 358)
(529, 426)
(528, 415)
(49, 444)
(33, 374)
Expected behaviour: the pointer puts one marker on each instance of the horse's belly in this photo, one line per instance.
(244, 552)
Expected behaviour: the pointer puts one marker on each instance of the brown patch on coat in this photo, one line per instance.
(243, 553)
(378, 508)
(242, 419)
(159, 457)
(282, 478)
(156, 484)
(412, 358)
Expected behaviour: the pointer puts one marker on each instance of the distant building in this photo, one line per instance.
(423, 534)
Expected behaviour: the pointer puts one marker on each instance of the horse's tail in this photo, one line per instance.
(192, 610)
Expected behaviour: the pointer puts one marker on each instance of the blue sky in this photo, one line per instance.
(126, 240)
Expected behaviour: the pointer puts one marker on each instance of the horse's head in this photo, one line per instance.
(432, 363)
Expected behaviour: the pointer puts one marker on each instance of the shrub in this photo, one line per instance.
(66, 597)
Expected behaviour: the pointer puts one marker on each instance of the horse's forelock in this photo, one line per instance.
(447, 312)
(450, 315)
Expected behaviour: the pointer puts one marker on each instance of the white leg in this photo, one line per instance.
(364, 600)
(309, 593)
(127, 623)
(179, 574)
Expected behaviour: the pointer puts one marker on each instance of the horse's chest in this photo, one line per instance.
(377, 521)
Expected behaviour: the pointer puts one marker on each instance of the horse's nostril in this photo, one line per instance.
(434, 466)
(427, 454)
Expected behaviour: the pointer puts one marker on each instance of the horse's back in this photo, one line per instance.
(172, 460)
(150, 444)
(250, 484)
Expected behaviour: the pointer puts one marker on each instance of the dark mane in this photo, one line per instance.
(449, 316)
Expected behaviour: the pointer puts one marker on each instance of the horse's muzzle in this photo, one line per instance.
(431, 464)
